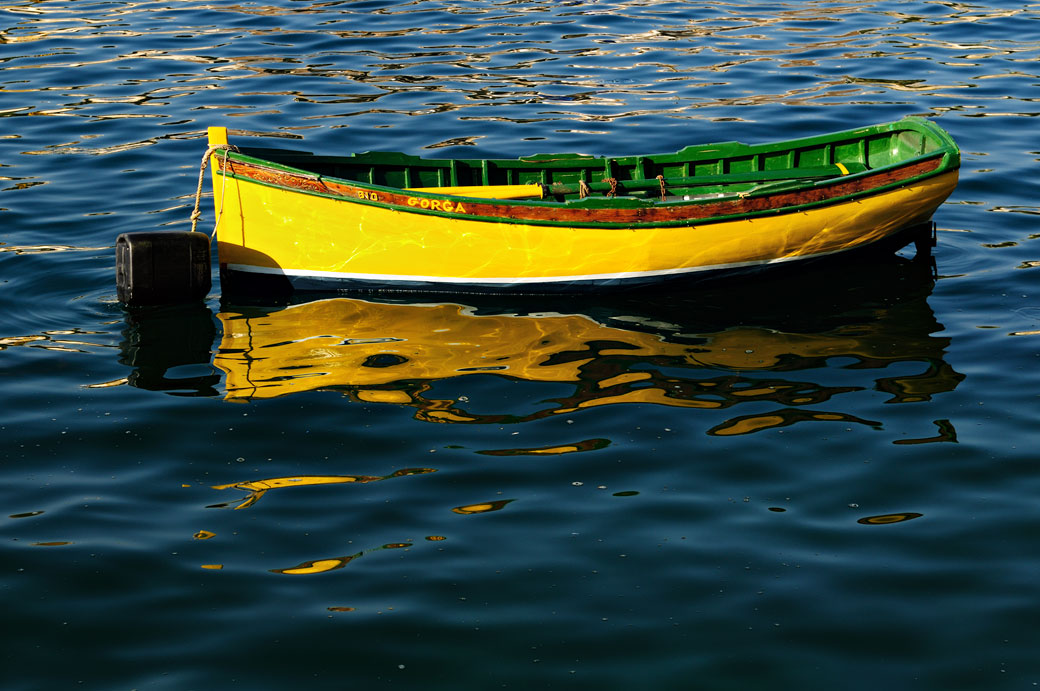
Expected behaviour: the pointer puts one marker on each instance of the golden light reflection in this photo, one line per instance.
(888, 518)
(39, 249)
(483, 507)
(108, 384)
(52, 340)
(327, 564)
(782, 418)
(710, 351)
(587, 445)
(316, 566)
(257, 488)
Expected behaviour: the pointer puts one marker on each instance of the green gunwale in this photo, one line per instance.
(876, 148)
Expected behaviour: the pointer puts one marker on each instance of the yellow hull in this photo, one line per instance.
(259, 231)
(416, 241)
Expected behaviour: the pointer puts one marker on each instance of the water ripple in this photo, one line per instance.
(628, 493)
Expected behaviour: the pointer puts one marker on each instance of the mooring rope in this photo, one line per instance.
(196, 214)
(583, 189)
(660, 179)
(613, 186)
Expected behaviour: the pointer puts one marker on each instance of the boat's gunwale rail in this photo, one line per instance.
(781, 196)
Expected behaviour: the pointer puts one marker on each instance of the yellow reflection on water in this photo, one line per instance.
(51, 340)
(108, 384)
(587, 445)
(40, 249)
(781, 418)
(368, 345)
(483, 507)
(333, 563)
(747, 350)
(889, 518)
(316, 566)
(257, 488)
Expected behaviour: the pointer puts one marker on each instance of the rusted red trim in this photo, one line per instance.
(584, 216)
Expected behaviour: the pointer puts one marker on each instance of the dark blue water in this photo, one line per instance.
(822, 481)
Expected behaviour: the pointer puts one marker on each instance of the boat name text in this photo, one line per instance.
(437, 205)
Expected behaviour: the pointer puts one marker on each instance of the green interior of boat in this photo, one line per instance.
(694, 172)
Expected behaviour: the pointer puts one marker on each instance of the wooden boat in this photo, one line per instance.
(294, 220)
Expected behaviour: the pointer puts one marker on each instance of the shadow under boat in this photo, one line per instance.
(711, 348)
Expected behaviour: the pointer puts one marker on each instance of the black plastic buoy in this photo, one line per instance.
(162, 267)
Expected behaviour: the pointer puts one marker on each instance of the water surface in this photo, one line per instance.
(824, 480)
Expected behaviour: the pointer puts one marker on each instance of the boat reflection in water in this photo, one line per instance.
(711, 349)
